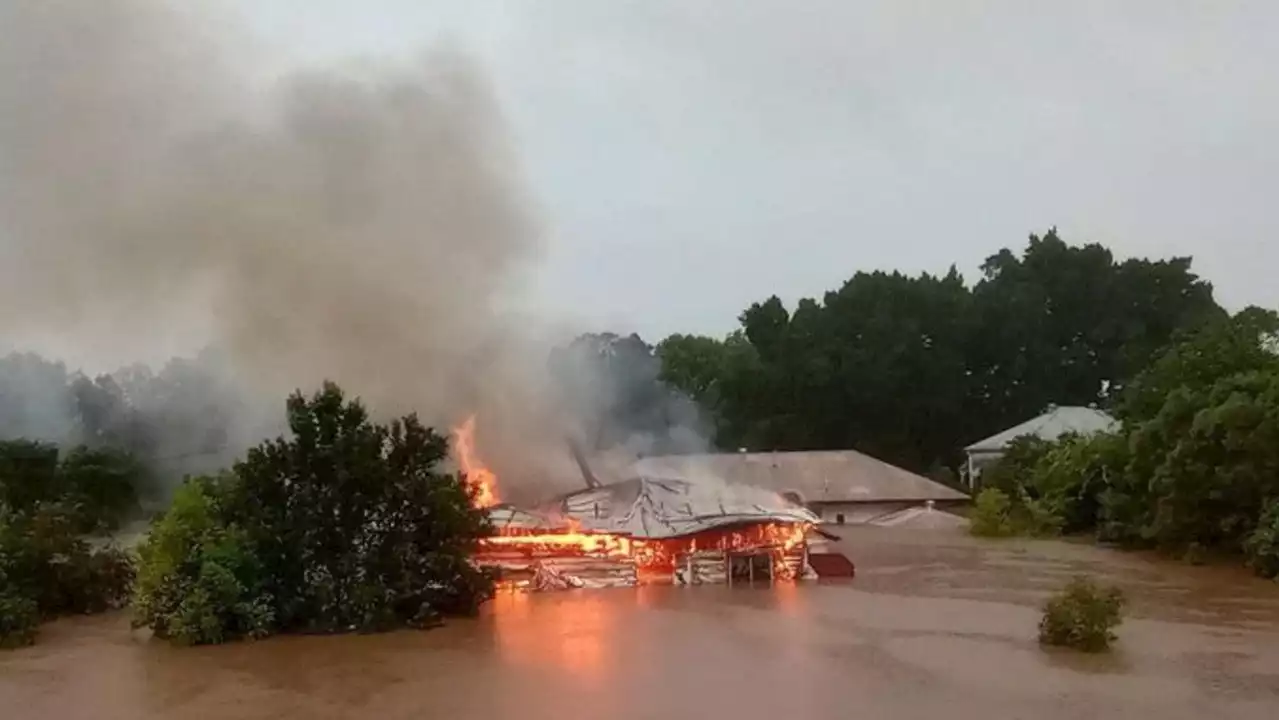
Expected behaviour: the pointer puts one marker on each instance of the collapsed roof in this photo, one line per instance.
(655, 508)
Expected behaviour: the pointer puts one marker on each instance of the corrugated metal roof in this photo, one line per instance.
(508, 517)
(816, 476)
(1053, 424)
(654, 508)
(649, 507)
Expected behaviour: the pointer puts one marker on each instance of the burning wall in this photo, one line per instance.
(634, 531)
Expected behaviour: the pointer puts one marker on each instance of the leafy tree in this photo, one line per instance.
(723, 377)
(864, 368)
(1218, 463)
(1198, 358)
(909, 369)
(1072, 474)
(97, 488)
(199, 581)
(1011, 473)
(1060, 323)
(343, 526)
(102, 484)
(694, 364)
(47, 568)
(28, 474)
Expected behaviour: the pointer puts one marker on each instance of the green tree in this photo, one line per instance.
(199, 580)
(1199, 357)
(344, 525)
(1060, 323)
(1218, 464)
(103, 485)
(28, 475)
(1011, 473)
(98, 489)
(910, 368)
(877, 365)
(1071, 476)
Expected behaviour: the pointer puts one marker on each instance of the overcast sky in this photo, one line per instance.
(689, 158)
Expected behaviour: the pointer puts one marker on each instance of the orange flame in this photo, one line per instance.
(777, 538)
(482, 481)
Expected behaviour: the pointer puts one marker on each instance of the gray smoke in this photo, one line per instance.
(364, 224)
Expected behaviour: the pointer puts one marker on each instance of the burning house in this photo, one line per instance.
(639, 530)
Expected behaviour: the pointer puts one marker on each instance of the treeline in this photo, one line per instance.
(912, 369)
(50, 505)
(181, 419)
(1191, 470)
(908, 369)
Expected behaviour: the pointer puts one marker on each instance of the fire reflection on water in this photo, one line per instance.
(572, 632)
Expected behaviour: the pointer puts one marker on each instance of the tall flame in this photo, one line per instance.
(777, 538)
(482, 481)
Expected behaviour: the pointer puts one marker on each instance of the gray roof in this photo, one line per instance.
(1054, 423)
(816, 476)
(644, 507)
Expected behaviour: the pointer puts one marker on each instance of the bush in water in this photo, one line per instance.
(47, 570)
(990, 516)
(1260, 548)
(19, 618)
(345, 526)
(1082, 616)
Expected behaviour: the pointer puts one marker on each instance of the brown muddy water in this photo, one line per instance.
(936, 625)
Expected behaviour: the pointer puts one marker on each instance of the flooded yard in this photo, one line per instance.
(935, 625)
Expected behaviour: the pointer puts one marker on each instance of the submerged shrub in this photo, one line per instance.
(47, 570)
(990, 515)
(1082, 615)
(19, 618)
(199, 581)
(1260, 547)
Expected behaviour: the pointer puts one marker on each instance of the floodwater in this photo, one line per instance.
(936, 625)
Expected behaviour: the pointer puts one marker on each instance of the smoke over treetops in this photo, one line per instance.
(362, 224)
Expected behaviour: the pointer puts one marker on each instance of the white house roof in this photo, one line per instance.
(1053, 424)
(658, 508)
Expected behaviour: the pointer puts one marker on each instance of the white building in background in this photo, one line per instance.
(1051, 425)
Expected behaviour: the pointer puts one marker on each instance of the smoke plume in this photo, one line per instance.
(364, 223)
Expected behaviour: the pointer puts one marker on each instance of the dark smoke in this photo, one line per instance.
(363, 224)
